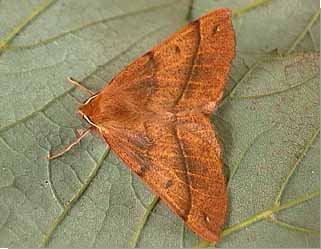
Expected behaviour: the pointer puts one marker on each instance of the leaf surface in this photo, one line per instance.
(268, 123)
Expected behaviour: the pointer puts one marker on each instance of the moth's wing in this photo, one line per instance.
(188, 70)
(179, 160)
(202, 155)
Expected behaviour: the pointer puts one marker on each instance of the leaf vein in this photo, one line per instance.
(60, 218)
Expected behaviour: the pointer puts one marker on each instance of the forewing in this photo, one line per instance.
(178, 159)
(186, 71)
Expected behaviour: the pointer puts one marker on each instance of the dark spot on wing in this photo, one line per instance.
(177, 49)
(216, 29)
(141, 141)
(168, 184)
(143, 163)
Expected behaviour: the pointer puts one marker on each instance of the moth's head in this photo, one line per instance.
(88, 110)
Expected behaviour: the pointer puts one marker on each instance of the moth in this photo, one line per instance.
(154, 115)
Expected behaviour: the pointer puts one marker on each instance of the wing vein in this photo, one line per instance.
(190, 73)
(186, 168)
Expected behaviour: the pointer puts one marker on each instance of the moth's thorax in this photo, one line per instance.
(103, 110)
(89, 110)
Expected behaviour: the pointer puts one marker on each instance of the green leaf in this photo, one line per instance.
(268, 123)
(273, 150)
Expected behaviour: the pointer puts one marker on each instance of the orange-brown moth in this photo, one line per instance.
(154, 116)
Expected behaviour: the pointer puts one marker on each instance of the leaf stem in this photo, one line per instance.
(262, 215)
(294, 166)
(230, 94)
(275, 92)
(266, 213)
(246, 151)
(295, 228)
(135, 237)
(21, 25)
(68, 206)
(240, 11)
(88, 25)
(302, 34)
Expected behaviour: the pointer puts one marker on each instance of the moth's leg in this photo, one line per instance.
(68, 147)
(80, 86)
